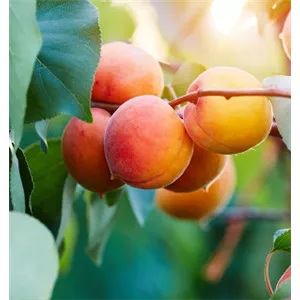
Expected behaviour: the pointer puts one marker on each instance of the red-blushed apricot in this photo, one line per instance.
(83, 153)
(285, 276)
(124, 72)
(200, 204)
(203, 170)
(286, 36)
(146, 144)
(227, 126)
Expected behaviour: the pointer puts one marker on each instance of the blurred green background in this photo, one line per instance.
(166, 259)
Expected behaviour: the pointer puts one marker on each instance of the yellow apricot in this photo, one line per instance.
(203, 170)
(83, 153)
(200, 204)
(124, 72)
(146, 144)
(286, 36)
(227, 126)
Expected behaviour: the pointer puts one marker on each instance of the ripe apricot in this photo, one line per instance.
(286, 36)
(124, 72)
(200, 203)
(227, 126)
(203, 170)
(146, 144)
(83, 152)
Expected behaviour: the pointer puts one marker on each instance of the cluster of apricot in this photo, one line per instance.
(147, 145)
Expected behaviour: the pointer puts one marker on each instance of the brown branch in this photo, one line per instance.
(111, 108)
(266, 274)
(244, 213)
(193, 97)
(274, 130)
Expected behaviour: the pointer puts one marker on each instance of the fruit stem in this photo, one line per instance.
(111, 108)
(193, 97)
(266, 273)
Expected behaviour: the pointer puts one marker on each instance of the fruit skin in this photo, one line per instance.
(124, 72)
(286, 36)
(285, 276)
(200, 204)
(204, 168)
(83, 153)
(146, 144)
(227, 126)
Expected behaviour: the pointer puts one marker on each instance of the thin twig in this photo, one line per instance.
(172, 91)
(111, 108)
(193, 97)
(266, 274)
(245, 213)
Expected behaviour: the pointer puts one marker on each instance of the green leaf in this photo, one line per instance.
(67, 206)
(101, 219)
(64, 70)
(281, 106)
(282, 240)
(24, 44)
(33, 258)
(21, 184)
(116, 22)
(41, 128)
(185, 75)
(49, 175)
(284, 292)
(141, 202)
(111, 198)
(70, 240)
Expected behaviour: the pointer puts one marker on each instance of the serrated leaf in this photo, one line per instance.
(281, 106)
(33, 258)
(185, 75)
(66, 207)
(284, 292)
(141, 202)
(49, 175)
(24, 44)
(64, 70)
(41, 128)
(101, 219)
(282, 240)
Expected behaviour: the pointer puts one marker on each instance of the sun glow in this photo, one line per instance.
(225, 14)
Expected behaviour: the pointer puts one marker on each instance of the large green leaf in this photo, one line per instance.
(49, 175)
(33, 258)
(141, 202)
(116, 22)
(101, 219)
(21, 184)
(284, 292)
(64, 70)
(24, 44)
(66, 207)
(185, 75)
(70, 240)
(282, 240)
(281, 106)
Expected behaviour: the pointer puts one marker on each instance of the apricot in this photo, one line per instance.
(286, 36)
(124, 72)
(146, 144)
(227, 126)
(83, 153)
(200, 204)
(203, 170)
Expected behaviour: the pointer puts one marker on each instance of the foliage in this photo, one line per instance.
(121, 245)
